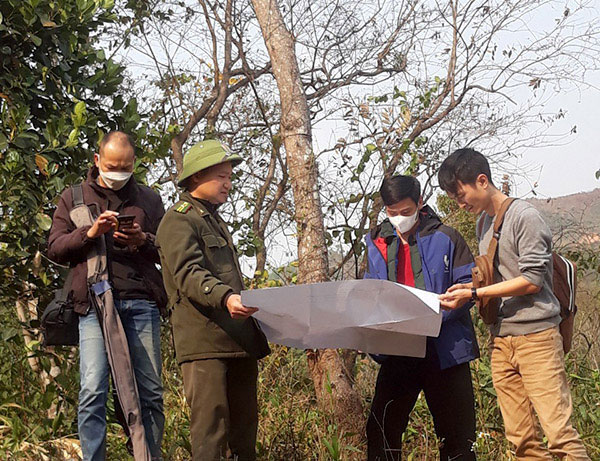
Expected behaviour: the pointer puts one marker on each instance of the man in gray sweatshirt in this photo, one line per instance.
(527, 355)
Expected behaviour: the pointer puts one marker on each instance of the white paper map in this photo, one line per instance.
(376, 316)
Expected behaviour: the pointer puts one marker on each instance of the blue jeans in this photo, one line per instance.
(141, 323)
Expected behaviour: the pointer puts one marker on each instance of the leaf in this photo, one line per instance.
(37, 41)
(43, 221)
(118, 102)
(79, 108)
(58, 421)
(598, 174)
(48, 23)
(73, 135)
(406, 117)
(42, 163)
(79, 114)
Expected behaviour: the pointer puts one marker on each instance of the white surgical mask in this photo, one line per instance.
(115, 180)
(404, 223)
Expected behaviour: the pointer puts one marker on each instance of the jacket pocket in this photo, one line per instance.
(218, 253)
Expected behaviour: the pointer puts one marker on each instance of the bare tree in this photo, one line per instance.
(407, 81)
(194, 47)
(475, 75)
(326, 366)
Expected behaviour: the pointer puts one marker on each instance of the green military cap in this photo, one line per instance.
(205, 154)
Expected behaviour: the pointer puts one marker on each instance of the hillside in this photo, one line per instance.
(577, 215)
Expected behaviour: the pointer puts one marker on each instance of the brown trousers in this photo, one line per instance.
(529, 375)
(221, 394)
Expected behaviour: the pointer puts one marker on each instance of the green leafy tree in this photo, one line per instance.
(58, 94)
(461, 220)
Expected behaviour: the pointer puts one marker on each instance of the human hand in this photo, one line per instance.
(460, 286)
(133, 237)
(105, 222)
(237, 310)
(455, 297)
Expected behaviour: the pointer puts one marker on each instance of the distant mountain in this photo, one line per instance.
(576, 215)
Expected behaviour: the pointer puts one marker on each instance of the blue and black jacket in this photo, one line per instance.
(439, 259)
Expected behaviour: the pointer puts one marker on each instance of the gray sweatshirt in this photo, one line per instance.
(525, 249)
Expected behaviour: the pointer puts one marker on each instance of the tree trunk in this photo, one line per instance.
(261, 260)
(26, 307)
(333, 385)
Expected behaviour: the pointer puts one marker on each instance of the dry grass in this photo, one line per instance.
(292, 427)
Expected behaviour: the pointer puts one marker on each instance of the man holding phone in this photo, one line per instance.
(127, 214)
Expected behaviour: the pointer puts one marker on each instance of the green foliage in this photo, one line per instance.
(461, 220)
(586, 258)
(58, 94)
(32, 414)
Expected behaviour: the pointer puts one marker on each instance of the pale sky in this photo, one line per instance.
(570, 168)
(569, 160)
(558, 170)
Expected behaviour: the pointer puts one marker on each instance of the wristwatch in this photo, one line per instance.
(474, 296)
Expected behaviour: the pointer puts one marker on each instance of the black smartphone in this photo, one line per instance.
(125, 221)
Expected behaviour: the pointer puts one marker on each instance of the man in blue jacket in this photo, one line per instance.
(414, 248)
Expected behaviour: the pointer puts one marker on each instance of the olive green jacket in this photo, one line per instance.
(200, 268)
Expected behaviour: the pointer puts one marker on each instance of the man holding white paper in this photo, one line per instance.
(414, 248)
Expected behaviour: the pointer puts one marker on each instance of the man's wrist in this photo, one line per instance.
(88, 236)
(144, 241)
(225, 298)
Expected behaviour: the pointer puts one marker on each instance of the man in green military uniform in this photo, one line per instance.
(217, 342)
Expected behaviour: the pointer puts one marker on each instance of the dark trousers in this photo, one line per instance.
(449, 395)
(221, 394)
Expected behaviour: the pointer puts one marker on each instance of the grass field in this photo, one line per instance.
(292, 427)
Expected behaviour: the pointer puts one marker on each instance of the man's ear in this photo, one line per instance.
(97, 159)
(420, 204)
(193, 180)
(482, 181)
(190, 183)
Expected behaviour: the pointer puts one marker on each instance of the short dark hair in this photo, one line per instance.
(463, 165)
(116, 136)
(399, 187)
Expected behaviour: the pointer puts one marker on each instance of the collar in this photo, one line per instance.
(204, 205)
(210, 207)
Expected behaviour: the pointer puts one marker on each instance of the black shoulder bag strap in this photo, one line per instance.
(77, 193)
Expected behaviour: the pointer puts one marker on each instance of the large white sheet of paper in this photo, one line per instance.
(376, 316)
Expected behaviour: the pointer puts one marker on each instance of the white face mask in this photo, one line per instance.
(115, 180)
(404, 223)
